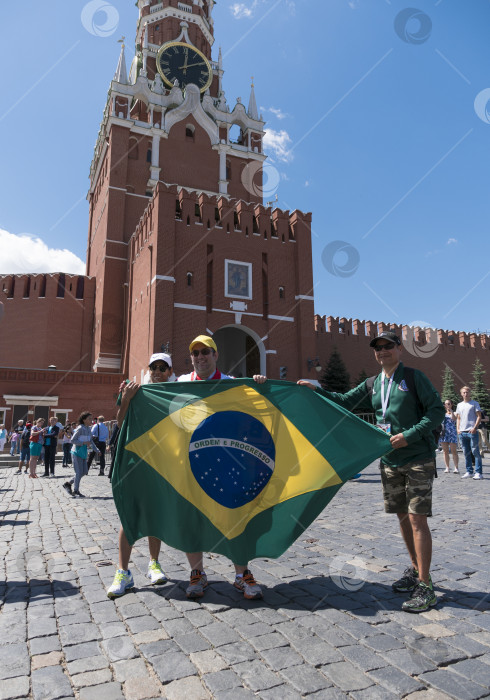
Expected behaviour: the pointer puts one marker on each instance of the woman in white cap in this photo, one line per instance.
(160, 370)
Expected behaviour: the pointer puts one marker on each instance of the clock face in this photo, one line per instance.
(179, 61)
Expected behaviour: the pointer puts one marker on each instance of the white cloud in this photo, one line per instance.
(452, 240)
(239, 10)
(28, 254)
(278, 143)
(276, 112)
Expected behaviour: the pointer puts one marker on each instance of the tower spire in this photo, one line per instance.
(252, 104)
(121, 75)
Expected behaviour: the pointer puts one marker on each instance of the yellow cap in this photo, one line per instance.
(204, 340)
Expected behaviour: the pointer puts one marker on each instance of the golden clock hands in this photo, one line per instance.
(185, 66)
(191, 65)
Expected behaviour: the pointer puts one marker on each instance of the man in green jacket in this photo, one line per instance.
(408, 408)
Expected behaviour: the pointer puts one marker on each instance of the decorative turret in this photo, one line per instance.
(252, 104)
(121, 75)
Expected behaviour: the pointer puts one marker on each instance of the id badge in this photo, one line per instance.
(385, 427)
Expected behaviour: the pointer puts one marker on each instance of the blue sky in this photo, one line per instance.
(372, 127)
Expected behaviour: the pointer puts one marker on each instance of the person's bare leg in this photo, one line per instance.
(32, 466)
(125, 550)
(239, 569)
(407, 534)
(422, 540)
(154, 545)
(445, 451)
(195, 560)
(454, 452)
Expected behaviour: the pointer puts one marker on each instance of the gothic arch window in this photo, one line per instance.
(235, 134)
(148, 155)
(189, 279)
(281, 292)
(190, 130)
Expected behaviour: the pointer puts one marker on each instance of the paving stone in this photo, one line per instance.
(256, 676)
(113, 629)
(90, 663)
(14, 688)
(81, 680)
(192, 642)
(281, 657)
(208, 661)
(150, 636)
(43, 660)
(158, 648)
(220, 633)
(142, 688)
(284, 692)
(376, 692)
(364, 658)
(235, 694)
(172, 666)
(119, 648)
(394, 680)
(44, 645)
(133, 668)
(42, 628)
(474, 670)
(237, 652)
(317, 652)
(50, 683)
(81, 651)
(346, 676)
(268, 641)
(305, 679)
(191, 687)
(14, 660)
(382, 642)
(440, 652)
(77, 634)
(221, 680)
(107, 691)
(454, 685)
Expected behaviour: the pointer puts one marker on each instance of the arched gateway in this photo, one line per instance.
(241, 351)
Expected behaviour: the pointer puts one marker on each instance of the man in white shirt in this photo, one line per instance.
(100, 434)
(204, 358)
(468, 417)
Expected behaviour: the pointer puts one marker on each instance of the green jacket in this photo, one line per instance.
(403, 413)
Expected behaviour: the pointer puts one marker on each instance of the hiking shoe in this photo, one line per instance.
(198, 583)
(67, 487)
(421, 599)
(408, 582)
(123, 580)
(478, 476)
(248, 586)
(155, 573)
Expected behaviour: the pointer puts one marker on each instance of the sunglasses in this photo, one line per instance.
(204, 351)
(160, 368)
(386, 346)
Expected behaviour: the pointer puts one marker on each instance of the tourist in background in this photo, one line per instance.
(25, 453)
(3, 437)
(468, 417)
(35, 446)
(66, 443)
(50, 445)
(81, 438)
(449, 437)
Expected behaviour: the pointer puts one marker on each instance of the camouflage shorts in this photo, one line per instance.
(408, 489)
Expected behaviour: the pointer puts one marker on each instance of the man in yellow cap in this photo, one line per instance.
(204, 358)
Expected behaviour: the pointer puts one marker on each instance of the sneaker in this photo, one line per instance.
(155, 573)
(19, 471)
(408, 582)
(421, 599)
(478, 476)
(456, 471)
(247, 584)
(198, 583)
(67, 487)
(467, 475)
(446, 471)
(123, 580)
(77, 494)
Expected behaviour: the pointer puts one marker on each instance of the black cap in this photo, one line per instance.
(386, 335)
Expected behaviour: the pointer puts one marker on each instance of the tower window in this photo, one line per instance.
(178, 210)
(189, 279)
(133, 149)
(61, 285)
(148, 155)
(255, 228)
(197, 212)
(189, 131)
(228, 170)
(236, 221)
(281, 292)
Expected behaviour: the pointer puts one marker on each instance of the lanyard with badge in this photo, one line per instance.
(385, 427)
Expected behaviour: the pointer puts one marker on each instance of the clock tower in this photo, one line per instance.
(180, 241)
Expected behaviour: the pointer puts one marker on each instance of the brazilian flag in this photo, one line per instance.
(234, 467)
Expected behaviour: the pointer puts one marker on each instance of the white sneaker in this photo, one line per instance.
(446, 471)
(467, 475)
(155, 573)
(122, 581)
(478, 476)
(456, 471)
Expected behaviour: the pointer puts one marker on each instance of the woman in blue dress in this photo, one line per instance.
(449, 437)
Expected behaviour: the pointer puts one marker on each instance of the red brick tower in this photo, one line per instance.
(179, 239)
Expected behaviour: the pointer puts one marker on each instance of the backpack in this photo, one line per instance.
(408, 375)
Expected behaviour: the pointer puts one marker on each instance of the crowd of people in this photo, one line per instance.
(406, 406)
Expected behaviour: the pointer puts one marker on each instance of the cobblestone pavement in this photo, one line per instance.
(329, 625)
